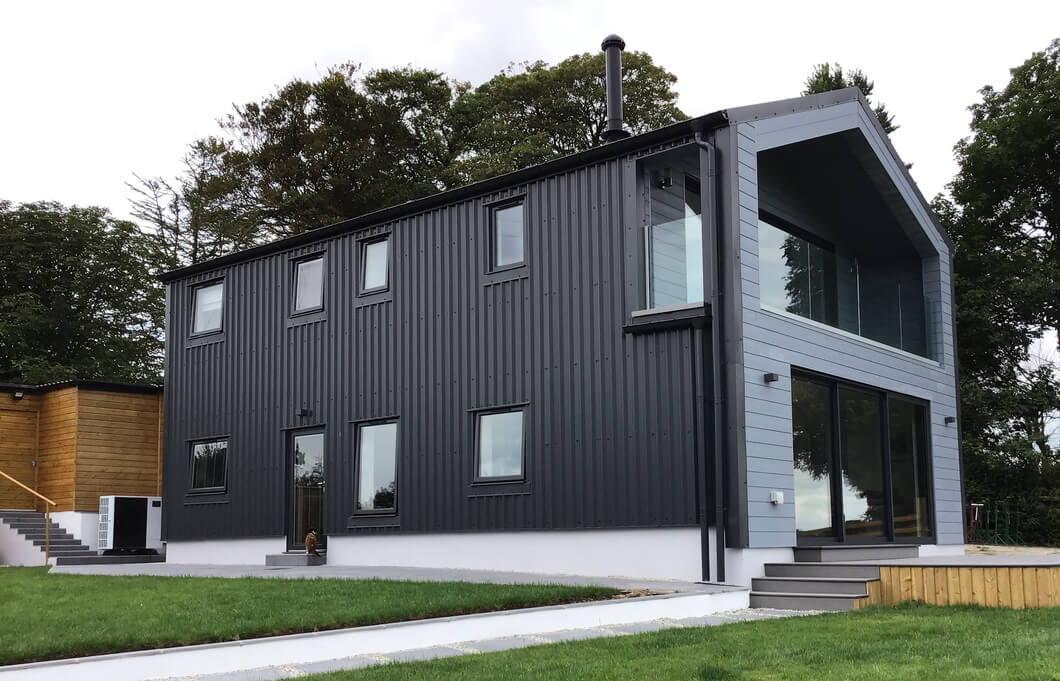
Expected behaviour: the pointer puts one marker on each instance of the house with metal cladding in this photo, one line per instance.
(685, 354)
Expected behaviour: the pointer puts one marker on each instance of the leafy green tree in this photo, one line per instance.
(537, 112)
(1003, 214)
(316, 152)
(827, 77)
(76, 297)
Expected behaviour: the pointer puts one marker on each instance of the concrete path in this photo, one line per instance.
(489, 645)
(398, 573)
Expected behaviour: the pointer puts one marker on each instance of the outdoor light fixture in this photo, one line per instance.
(772, 378)
(951, 420)
(17, 395)
(303, 412)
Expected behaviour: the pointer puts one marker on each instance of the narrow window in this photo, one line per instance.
(309, 285)
(209, 308)
(500, 445)
(374, 261)
(377, 464)
(208, 461)
(675, 242)
(508, 236)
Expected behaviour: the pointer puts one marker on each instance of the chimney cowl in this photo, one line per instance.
(612, 47)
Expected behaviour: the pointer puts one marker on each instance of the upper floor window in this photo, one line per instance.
(375, 265)
(209, 465)
(508, 236)
(309, 284)
(804, 275)
(674, 241)
(500, 445)
(208, 308)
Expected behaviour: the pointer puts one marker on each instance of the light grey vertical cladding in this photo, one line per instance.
(610, 434)
(774, 343)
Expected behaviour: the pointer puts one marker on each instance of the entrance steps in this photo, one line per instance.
(63, 548)
(295, 559)
(834, 577)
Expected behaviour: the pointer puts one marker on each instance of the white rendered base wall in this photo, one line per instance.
(224, 551)
(928, 550)
(83, 525)
(650, 553)
(742, 565)
(16, 550)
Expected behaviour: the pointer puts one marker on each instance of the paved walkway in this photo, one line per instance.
(489, 645)
(399, 573)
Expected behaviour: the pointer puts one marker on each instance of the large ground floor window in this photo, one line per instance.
(862, 469)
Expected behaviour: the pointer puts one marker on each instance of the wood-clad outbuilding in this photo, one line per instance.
(78, 440)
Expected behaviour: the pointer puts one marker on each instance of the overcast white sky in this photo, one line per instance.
(93, 93)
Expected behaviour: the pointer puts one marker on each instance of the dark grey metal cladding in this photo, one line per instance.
(611, 416)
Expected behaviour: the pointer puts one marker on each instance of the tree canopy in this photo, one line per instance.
(827, 77)
(316, 152)
(76, 297)
(1003, 213)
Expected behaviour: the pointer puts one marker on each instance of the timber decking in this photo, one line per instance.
(1006, 586)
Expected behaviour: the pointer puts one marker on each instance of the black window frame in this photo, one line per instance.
(212, 490)
(372, 512)
(295, 263)
(493, 209)
(362, 260)
(478, 414)
(192, 333)
(884, 397)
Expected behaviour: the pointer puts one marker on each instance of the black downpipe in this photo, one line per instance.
(713, 260)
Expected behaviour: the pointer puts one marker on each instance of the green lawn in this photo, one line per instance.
(912, 642)
(46, 616)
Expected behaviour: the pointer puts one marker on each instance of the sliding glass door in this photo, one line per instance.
(861, 463)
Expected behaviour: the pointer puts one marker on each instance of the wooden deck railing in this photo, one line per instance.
(47, 514)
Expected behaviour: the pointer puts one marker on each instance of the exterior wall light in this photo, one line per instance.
(17, 395)
(772, 378)
(950, 420)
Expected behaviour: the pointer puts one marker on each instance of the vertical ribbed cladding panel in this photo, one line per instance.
(610, 427)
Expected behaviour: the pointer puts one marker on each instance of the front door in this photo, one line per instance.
(306, 497)
(861, 463)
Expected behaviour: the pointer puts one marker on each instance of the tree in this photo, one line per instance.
(1003, 214)
(537, 112)
(76, 297)
(827, 77)
(316, 152)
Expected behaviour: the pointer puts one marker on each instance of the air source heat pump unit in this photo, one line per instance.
(130, 523)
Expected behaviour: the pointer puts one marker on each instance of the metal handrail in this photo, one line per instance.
(47, 514)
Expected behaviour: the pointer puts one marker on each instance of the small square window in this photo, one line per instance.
(309, 285)
(500, 445)
(208, 465)
(508, 236)
(374, 265)
(209, 308)
(376, 468)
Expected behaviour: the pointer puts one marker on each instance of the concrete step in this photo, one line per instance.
(70, 551)
(803, 601)
(31, 526)
(41, 535)
(294, 559)
(849, 552)
(97, 559)
(69, 541)
(839, 586)
(822, 570)
(4, 514)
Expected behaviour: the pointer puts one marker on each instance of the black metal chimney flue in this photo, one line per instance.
(612, 47)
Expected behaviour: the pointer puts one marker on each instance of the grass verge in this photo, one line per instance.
(911, 642)
(55, 616)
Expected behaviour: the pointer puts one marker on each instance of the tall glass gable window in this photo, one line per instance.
(208, 308)
(674, 241)
(309, 285)
(376, 468)
(809, 277)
